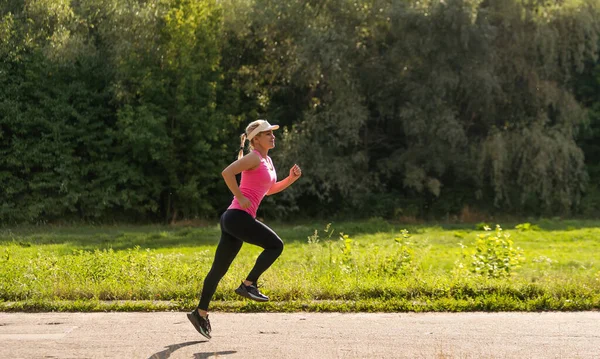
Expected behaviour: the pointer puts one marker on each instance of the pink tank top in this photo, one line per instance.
(255, 184)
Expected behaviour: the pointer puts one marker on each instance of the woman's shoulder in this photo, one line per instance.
(253, 153)
(250, 161)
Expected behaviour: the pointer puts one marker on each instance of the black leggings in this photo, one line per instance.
(237, 227)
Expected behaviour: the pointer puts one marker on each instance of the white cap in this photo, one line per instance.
(263, 126)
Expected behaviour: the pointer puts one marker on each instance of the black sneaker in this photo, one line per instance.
(202, 325)
(251, 292)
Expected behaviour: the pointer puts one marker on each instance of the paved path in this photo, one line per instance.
(301, 335)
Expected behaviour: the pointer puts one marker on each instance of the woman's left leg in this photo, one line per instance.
(254, 232)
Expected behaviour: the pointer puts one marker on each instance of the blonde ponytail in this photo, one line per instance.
(242, 143)
(244, 137)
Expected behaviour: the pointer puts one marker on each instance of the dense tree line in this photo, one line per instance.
(128, 110)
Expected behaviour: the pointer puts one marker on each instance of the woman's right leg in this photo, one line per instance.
(228, 248)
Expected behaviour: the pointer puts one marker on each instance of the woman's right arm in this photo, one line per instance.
(250, 161)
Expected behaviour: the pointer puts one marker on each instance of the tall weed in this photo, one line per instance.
(400, 261)
(494, 254)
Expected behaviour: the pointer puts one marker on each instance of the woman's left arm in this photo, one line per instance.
(295, 173)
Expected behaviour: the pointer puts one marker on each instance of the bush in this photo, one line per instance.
(494, 255)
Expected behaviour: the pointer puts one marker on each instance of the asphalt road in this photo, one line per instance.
(302, 335)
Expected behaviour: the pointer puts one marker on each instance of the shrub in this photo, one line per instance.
(494, 255)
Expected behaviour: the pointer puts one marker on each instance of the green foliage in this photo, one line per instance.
(315, 238)
(419, 110)
(524, 227)
(587, 87)
(168, 121)
(160, 268)
(494, 255)
(482, 226)
(400, 261)
(347, 260)
(108, 110)
(128, 110)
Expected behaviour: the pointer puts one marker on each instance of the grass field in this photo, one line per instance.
(372, 266)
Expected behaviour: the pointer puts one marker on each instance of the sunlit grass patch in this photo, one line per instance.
(370, 266)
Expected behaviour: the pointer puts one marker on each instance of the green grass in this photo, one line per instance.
(133, 268)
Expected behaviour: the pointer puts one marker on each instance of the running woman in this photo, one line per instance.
(238, 222)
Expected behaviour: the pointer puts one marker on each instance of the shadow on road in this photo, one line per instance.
(170, 349)
(212, 354)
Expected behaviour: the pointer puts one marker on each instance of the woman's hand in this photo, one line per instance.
(295, 172)
(247, 162)
(244, 202)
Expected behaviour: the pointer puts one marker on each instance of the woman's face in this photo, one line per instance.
(265, 140)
